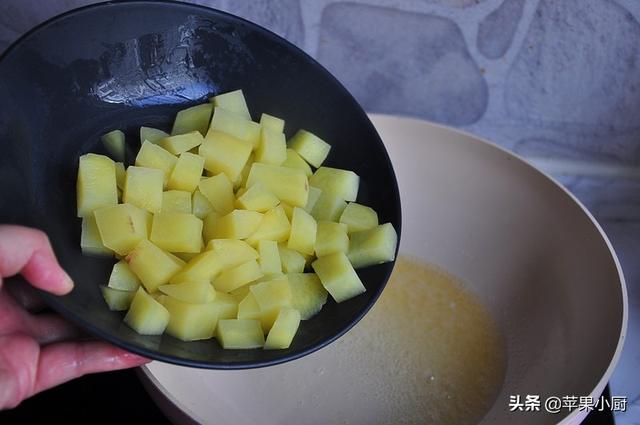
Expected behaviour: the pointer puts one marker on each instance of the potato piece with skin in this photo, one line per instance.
(114, 142)
(219, 192)
(177, 232)
(331, 238)
(143, 188)
(186, 173)
(224, 153)
(232, 101)
(373, 246)
(269, 259)
(121, 175)
(200, 205)
(122, 278)
(178, 201)
(271, 122)
(195, 118)
(146, 316)
(313, 149)
(338, 276)
(152, 135)
(238, 224)
(116, 299)
(235, 125)
(302, 237)
(237, 276)
(232, 252)
(153, 156)
(358, 217)
(292, 261)
(295, 161)
(307, 294)
(274, 227)
(121, 227)
(256, 198)
(283, 330)
(90, 240)
(272, 294)
(200, 292)
(181, 143)
(190, 322)
(337, 182)
(328, 207)
(204, 266)
(272, 147)
(96, 185)
(240, 333)
(152, 265)
(314, 195)
(226, 305)
(287, 184)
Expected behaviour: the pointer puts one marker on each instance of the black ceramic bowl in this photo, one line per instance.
(126, 64)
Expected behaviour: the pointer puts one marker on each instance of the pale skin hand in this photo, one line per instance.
(38, 352)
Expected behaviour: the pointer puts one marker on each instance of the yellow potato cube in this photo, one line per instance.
(198, 292)
(314, 195)
(96, 185)
(244, 174)
(116, 299)
(153, 156)
(90, 240)
(238, 224)
(181, 143)
(240, 333)
(283, 330)
(307, 294)
(219, 192)
(373, 246)
(177, 232)
(190, 322)
(209, 223)
(328, 207)
(295, 161)
(186, 173)
(114, 142)
(269, 260)
(288, 210)
(331, 238)
(235, 125)
(224, 153)
(143, 188)
(272, 294)
(338, 276)
(334, 181)
(121, 175)
(287, 184)
(122, 278)
(152, 135)
(313, 149)
(178, 201)
(358, 217)
(186, 256)
(152, 265)
(203, 267)
(232, 101)
(256, 198)
(226, 305)
(248, 308)
(195, 118)
(303, 232)
(292, 261)
(231, 252)
(121, 227)
(200, 205)
(146, 316)
(274, 227)
(272, 123)
(238, 276)
(272, 147)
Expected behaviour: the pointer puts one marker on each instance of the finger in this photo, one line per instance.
(25, 295)
(28, 251)
(18, 366)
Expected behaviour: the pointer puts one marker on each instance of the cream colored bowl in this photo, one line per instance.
(534, 257)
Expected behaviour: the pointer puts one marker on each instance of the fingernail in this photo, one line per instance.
(68, 281)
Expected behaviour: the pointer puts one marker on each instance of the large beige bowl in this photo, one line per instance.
(526, 247)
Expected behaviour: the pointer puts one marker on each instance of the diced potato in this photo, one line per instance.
(271, 122)
(122, 278)
(114, 142)
(358, 217)
(269, 260)
(288, 210)
(177, 232)
(274, 227)
(292, 261)
(152, 135)
(287, 184)
(90, 240)
(240, 333)
(224, 153)
(153, 156)
(152, 265)
(328, 207)
(235, 277)
(373, 246)
(195, 118)
(143, 188)
(272, 294)
(295, 161)
(146, 316)
(244, 174)
(96, 186)
(178, 201)
(200, 292)
(226, 305)
(121, 227)
(232, 252)
(334, 181)
(219, 192)
(235, 125)
(116, 299)
(190, 322)
(314, 195)
(200, 204)
(338, 276)
(313, 149)
(186, 173)
(256, 198)
(203, 267)
(272, 147)
(248, 307)
(209, 223)
(303, 232)
(232, 101)
(283, 330)
(238, 224)
(181, 143)
(307, 294)
(332, 237)
(121, 175)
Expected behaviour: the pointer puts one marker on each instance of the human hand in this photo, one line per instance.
(37, 351)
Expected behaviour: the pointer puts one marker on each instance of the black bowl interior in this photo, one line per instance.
(122, 65)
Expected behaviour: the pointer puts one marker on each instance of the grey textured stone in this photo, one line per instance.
(496, 30)
(428, 74)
